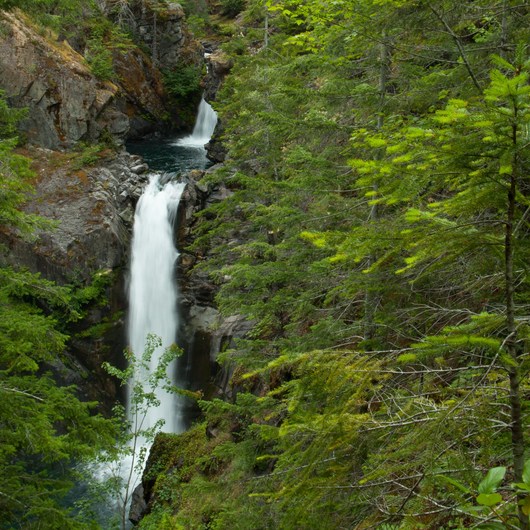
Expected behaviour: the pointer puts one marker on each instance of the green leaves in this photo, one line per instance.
(365, 241)
(488, 487)
(492, 480)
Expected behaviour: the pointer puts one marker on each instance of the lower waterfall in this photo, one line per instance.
(153, 289)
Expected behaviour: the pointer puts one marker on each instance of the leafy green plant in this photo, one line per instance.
(136, 437)
(499, 510)
(487, 489)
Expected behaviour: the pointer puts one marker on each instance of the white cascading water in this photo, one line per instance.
(153, 290)
(204, 127)
(153, 296)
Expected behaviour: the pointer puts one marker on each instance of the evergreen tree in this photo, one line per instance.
(44, 428)
(425, 298)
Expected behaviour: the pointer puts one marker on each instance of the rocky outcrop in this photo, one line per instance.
(206, 332)
(219, 65)
(67, 104)
(197, 289)
(142, 95)
(92, 207)
(162, 29)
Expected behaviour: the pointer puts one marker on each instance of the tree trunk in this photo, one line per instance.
(511, 340)
(371, 299)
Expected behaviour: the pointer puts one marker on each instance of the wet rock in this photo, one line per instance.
(140, 168)
(218, 65)
(216, 150)
(138, 505)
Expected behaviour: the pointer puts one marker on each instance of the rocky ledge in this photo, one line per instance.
(93, 208)
(67, 104)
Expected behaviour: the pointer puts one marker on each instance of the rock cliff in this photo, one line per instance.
(164, 33)
(67, 104)
(92, 207)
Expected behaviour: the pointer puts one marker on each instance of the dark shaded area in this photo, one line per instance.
(164, 154)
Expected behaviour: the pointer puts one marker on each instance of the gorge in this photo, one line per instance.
(353, 272)
(153, 289)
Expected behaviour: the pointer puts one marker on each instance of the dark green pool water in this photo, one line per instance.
(164, 154)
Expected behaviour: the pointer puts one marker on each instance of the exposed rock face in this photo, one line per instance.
(207, 332)
(143, 98)
(219, 65)
(93, 208)
(67, 104)
(215, 148)
(197, 288)
(138, 505)
(165, 34)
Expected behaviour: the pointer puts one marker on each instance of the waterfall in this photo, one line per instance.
(153, 290)
(204, 127)
(153, 297)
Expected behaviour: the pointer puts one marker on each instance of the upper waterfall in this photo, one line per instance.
(204, 127)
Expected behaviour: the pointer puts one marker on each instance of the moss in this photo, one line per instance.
(175, 461)
(172, 451)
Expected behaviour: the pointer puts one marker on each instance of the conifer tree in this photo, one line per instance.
(44, 428)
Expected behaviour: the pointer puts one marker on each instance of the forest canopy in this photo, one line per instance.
(376, 238)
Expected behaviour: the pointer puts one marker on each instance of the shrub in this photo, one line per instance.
(99, 59)
(232, 8)
(183, 81)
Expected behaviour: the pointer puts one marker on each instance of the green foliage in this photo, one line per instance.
(99, 58)
(376, 240)
(232, 8)
(15, 176)
(86, 154)
(9, 118)
(45, 428)
(15, 186)
(377, 155)
(183, 81)
(198, 25)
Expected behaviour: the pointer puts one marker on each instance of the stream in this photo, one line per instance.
(153, 286)
(153, 290)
